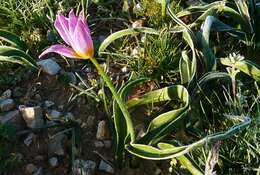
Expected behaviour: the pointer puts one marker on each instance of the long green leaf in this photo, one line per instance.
(21, 56)
(122, 33)
(12, 39)
(154, 153)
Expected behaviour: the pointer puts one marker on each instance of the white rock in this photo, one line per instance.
(102, 131)
(53, 161)
(31, 168)
(49, 66)
(29, 139)
(6, 104)
(48, 103)
(32, 116)
(6, 94)
(104, 166)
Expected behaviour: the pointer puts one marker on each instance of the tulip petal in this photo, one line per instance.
(60, 49)
(83, 19)
(72, 22)
(83, 44)
(62, 26)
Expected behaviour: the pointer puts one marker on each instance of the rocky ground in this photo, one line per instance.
(54, 129)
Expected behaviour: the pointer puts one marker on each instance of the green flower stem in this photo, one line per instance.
(119, 101)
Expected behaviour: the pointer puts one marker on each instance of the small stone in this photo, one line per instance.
(48, 103)
(138, 23)
(69, 116)
(39, 158)
(104, 166)
(53, 161)
(99, 144)
(90, 121)
(101, 38)
(49, 66)
(53, 114)
(56, 145)
(29, 139)
(13, 118)
(32, 116)
(107, 143)
(7, 105)
(124, 69)
(39, 171)
(72, 78)
(82, 167)
(38, 97)
(102, 131)
(30, 168)
(6, 94)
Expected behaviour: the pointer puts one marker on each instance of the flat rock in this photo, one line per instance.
(32, 116)
(6, 105)
(102, 131)
(49, 66)
(104, 166)
(13, 118)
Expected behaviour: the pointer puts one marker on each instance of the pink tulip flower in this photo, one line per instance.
(76, 34)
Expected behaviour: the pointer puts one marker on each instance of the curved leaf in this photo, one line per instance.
(122, 33)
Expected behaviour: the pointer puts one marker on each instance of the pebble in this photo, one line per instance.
(69, 116)
(13, 118)
(90, 121)
(99, 144)
(102, 131)
(49, 66)
(6, 94)
(29, 139)
(138, 23)
(53, 114)
(104, 166)
(101, 38)
(32, 116)
(6, 105)
(48, 103)
(53, 161)
(31, 168)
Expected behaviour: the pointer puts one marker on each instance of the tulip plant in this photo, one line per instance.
(75, 33)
